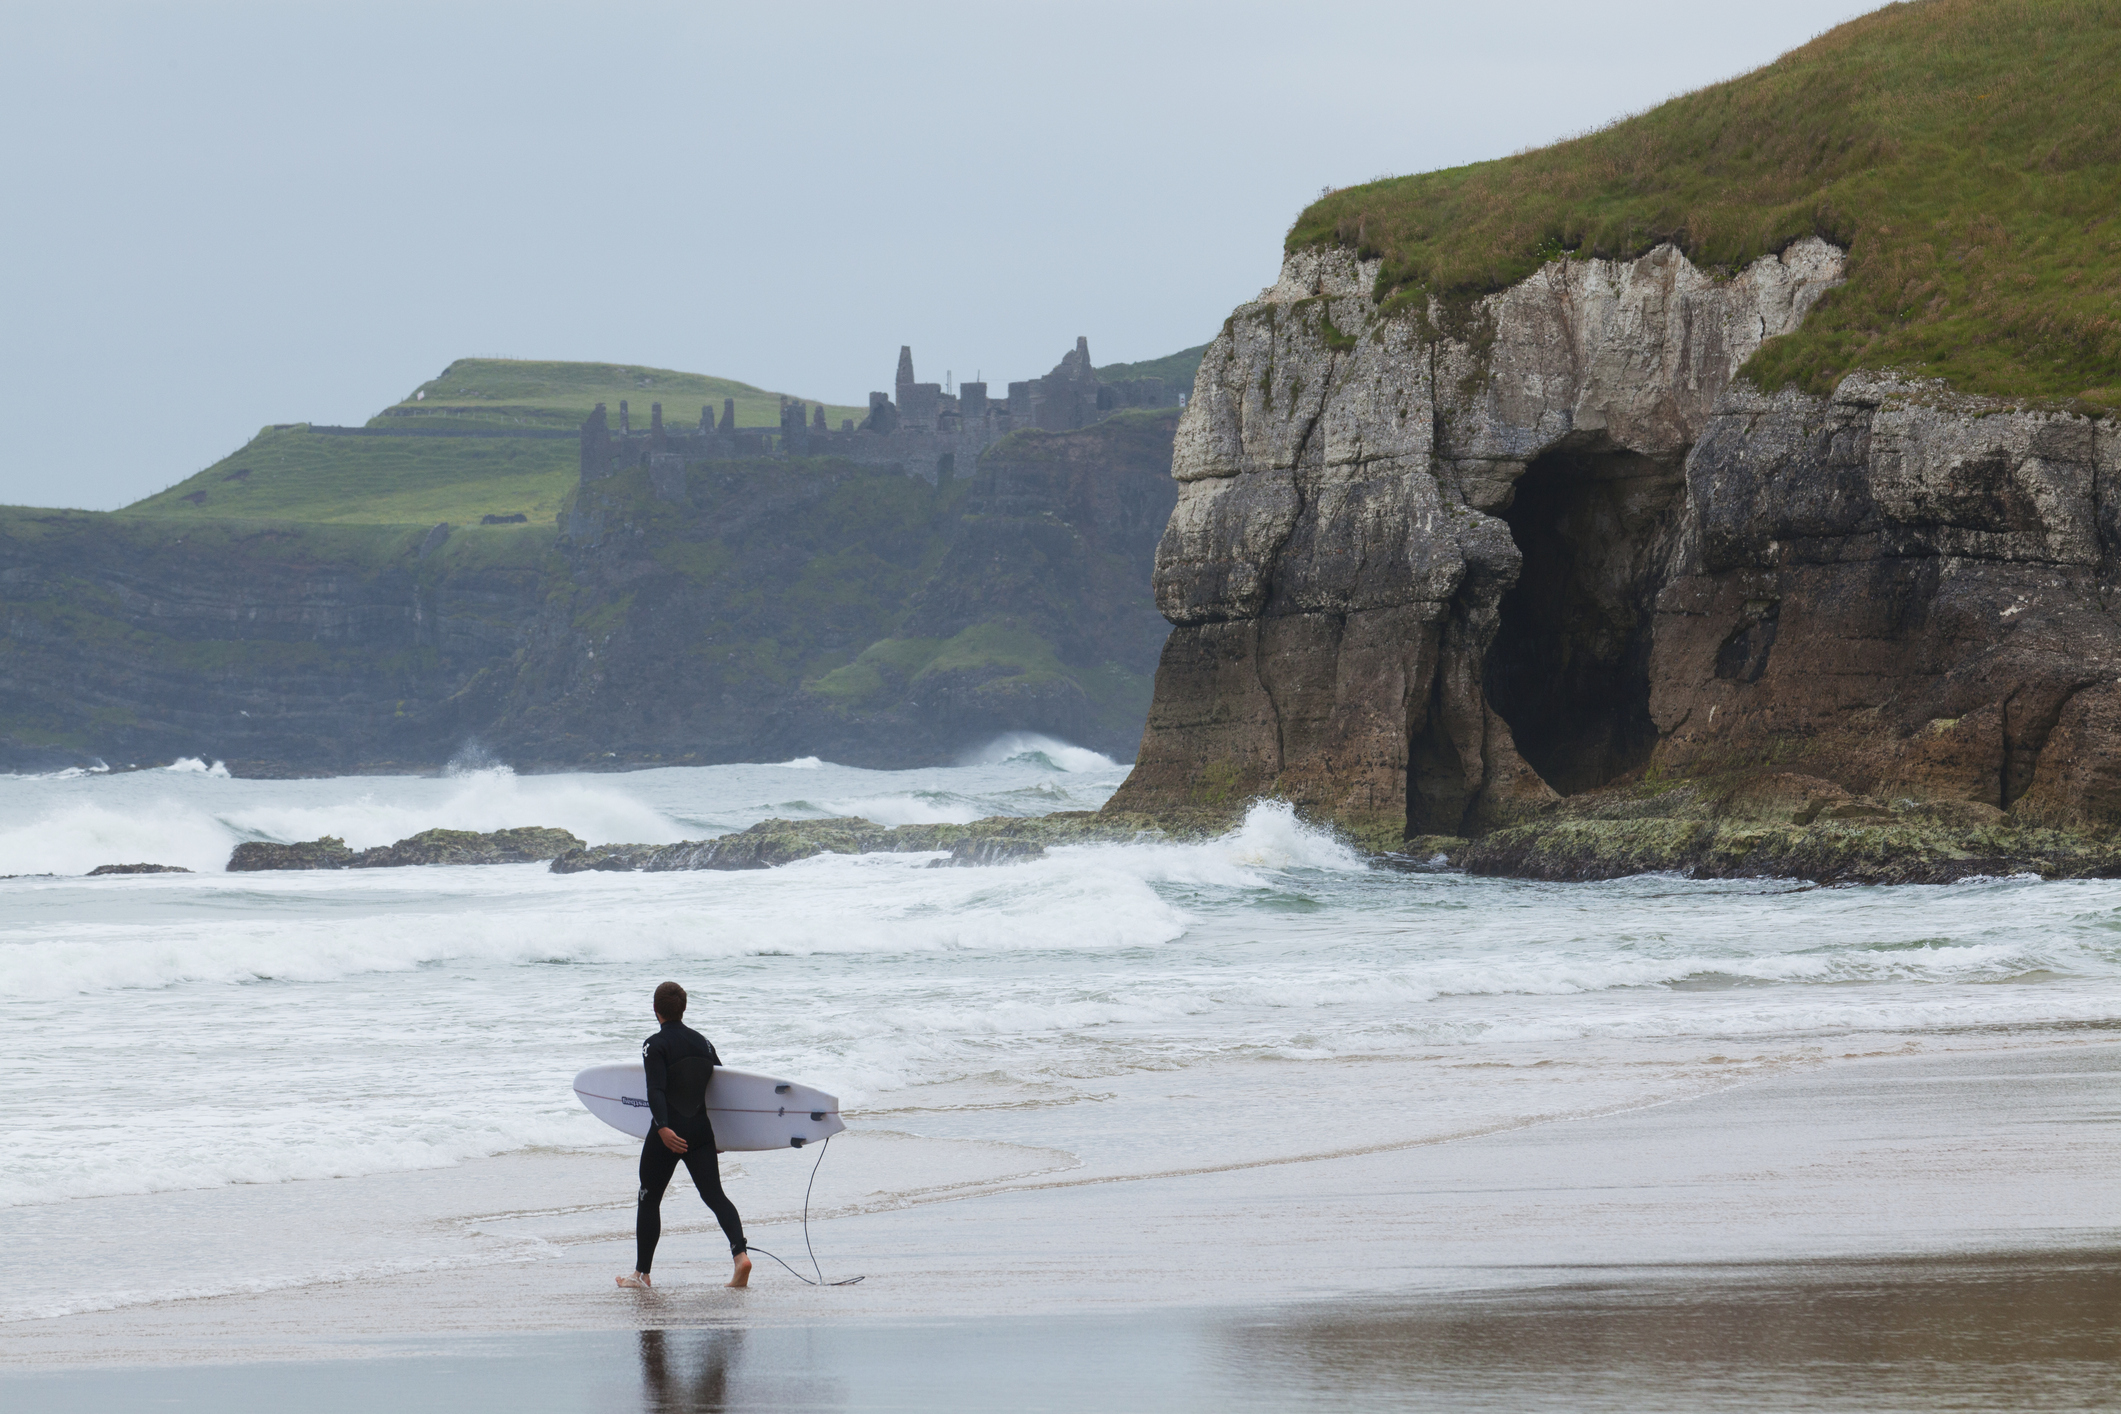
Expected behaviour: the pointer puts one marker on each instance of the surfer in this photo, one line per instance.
(680, 1062)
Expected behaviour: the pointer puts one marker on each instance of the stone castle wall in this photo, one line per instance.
(932, 434)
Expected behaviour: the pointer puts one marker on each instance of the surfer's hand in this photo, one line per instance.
(671, 1141)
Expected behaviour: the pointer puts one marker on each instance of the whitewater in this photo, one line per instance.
(229, 1042)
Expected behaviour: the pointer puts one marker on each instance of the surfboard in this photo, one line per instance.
(748, 1111)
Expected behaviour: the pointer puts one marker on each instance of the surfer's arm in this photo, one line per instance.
(658, 1073)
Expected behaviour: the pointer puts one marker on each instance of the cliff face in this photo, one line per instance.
(1431, 574)
(277, 647)
(1909, 593)
(737, 610)
(1037, 618)
(760, 610)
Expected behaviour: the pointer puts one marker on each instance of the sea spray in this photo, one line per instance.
(483, 799)
(75, 835)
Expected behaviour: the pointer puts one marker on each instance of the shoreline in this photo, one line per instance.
(2004, 1155)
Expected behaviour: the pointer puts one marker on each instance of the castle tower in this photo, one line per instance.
(596, 446)
(706, 420)
(905, 373)
(655, 426)
(729, 417)
(625, 422)
(819, 424)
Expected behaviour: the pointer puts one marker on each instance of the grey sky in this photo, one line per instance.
(223, 215)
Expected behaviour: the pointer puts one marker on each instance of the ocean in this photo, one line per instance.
(198, 1066)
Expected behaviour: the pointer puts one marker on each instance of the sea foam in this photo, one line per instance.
(1034, 749)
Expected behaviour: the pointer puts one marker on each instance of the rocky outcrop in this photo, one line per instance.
(1001, 839)
(1338, 561)
(257, 856)
(102, 869)
(528, 844)
(1444, 572)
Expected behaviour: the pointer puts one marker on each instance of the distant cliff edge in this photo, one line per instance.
(742, 608)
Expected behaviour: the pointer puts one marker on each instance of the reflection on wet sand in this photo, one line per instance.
(666, 1381)
(704, 1371)
(2031, 1331)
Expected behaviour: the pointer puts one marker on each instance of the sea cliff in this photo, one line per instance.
(1575, 577)
(1435, 580)
(740, 610)
(1731, 489)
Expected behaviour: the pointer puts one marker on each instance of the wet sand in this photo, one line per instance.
(1913, 1232)
(2032, 1331)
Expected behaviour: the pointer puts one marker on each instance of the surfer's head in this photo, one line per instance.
(670, 1002)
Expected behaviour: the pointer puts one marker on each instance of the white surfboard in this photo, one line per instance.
(748, 1111)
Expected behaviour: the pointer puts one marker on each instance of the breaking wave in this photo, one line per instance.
(1030, 748)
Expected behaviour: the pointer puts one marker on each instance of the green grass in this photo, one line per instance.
(1023, 655)
(1012, 654)
(1967, 153)
(510, 392)
(1176, 370)
(884, 666)
(306, 476)
(296, 474)
(1132, 433)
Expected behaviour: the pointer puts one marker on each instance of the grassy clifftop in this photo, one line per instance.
(1176, 370)
(510, 392)
(1967, 153)
(294, 474)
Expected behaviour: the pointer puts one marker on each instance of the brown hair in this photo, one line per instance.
(670, 1002)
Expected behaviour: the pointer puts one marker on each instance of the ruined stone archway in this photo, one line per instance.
(1569, 665)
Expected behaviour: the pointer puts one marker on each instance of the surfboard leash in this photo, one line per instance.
(850, 1281)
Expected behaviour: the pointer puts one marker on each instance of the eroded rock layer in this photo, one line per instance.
(1432, 572)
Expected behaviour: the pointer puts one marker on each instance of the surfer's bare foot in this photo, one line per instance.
(743, 1271)
(637, 1280)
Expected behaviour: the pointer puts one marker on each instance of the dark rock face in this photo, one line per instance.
(1906, 587)
(277, 648)
(326, 852)
(1511, 573)
(528, 844)
(721, 628)
(101, 869)
(764, 845)
(982, 853)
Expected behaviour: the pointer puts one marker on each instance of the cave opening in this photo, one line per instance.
(1569, 669)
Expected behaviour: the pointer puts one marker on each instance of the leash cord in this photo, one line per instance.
(850, 1281)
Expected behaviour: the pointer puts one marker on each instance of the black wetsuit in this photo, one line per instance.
(679, 1061)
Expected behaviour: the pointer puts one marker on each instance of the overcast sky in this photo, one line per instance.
(223, 215)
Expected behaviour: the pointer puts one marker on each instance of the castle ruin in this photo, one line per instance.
(921, 427)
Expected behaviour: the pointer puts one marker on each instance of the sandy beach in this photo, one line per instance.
(1892, 1231)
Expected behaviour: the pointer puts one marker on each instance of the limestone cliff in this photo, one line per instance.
(1432, 571)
